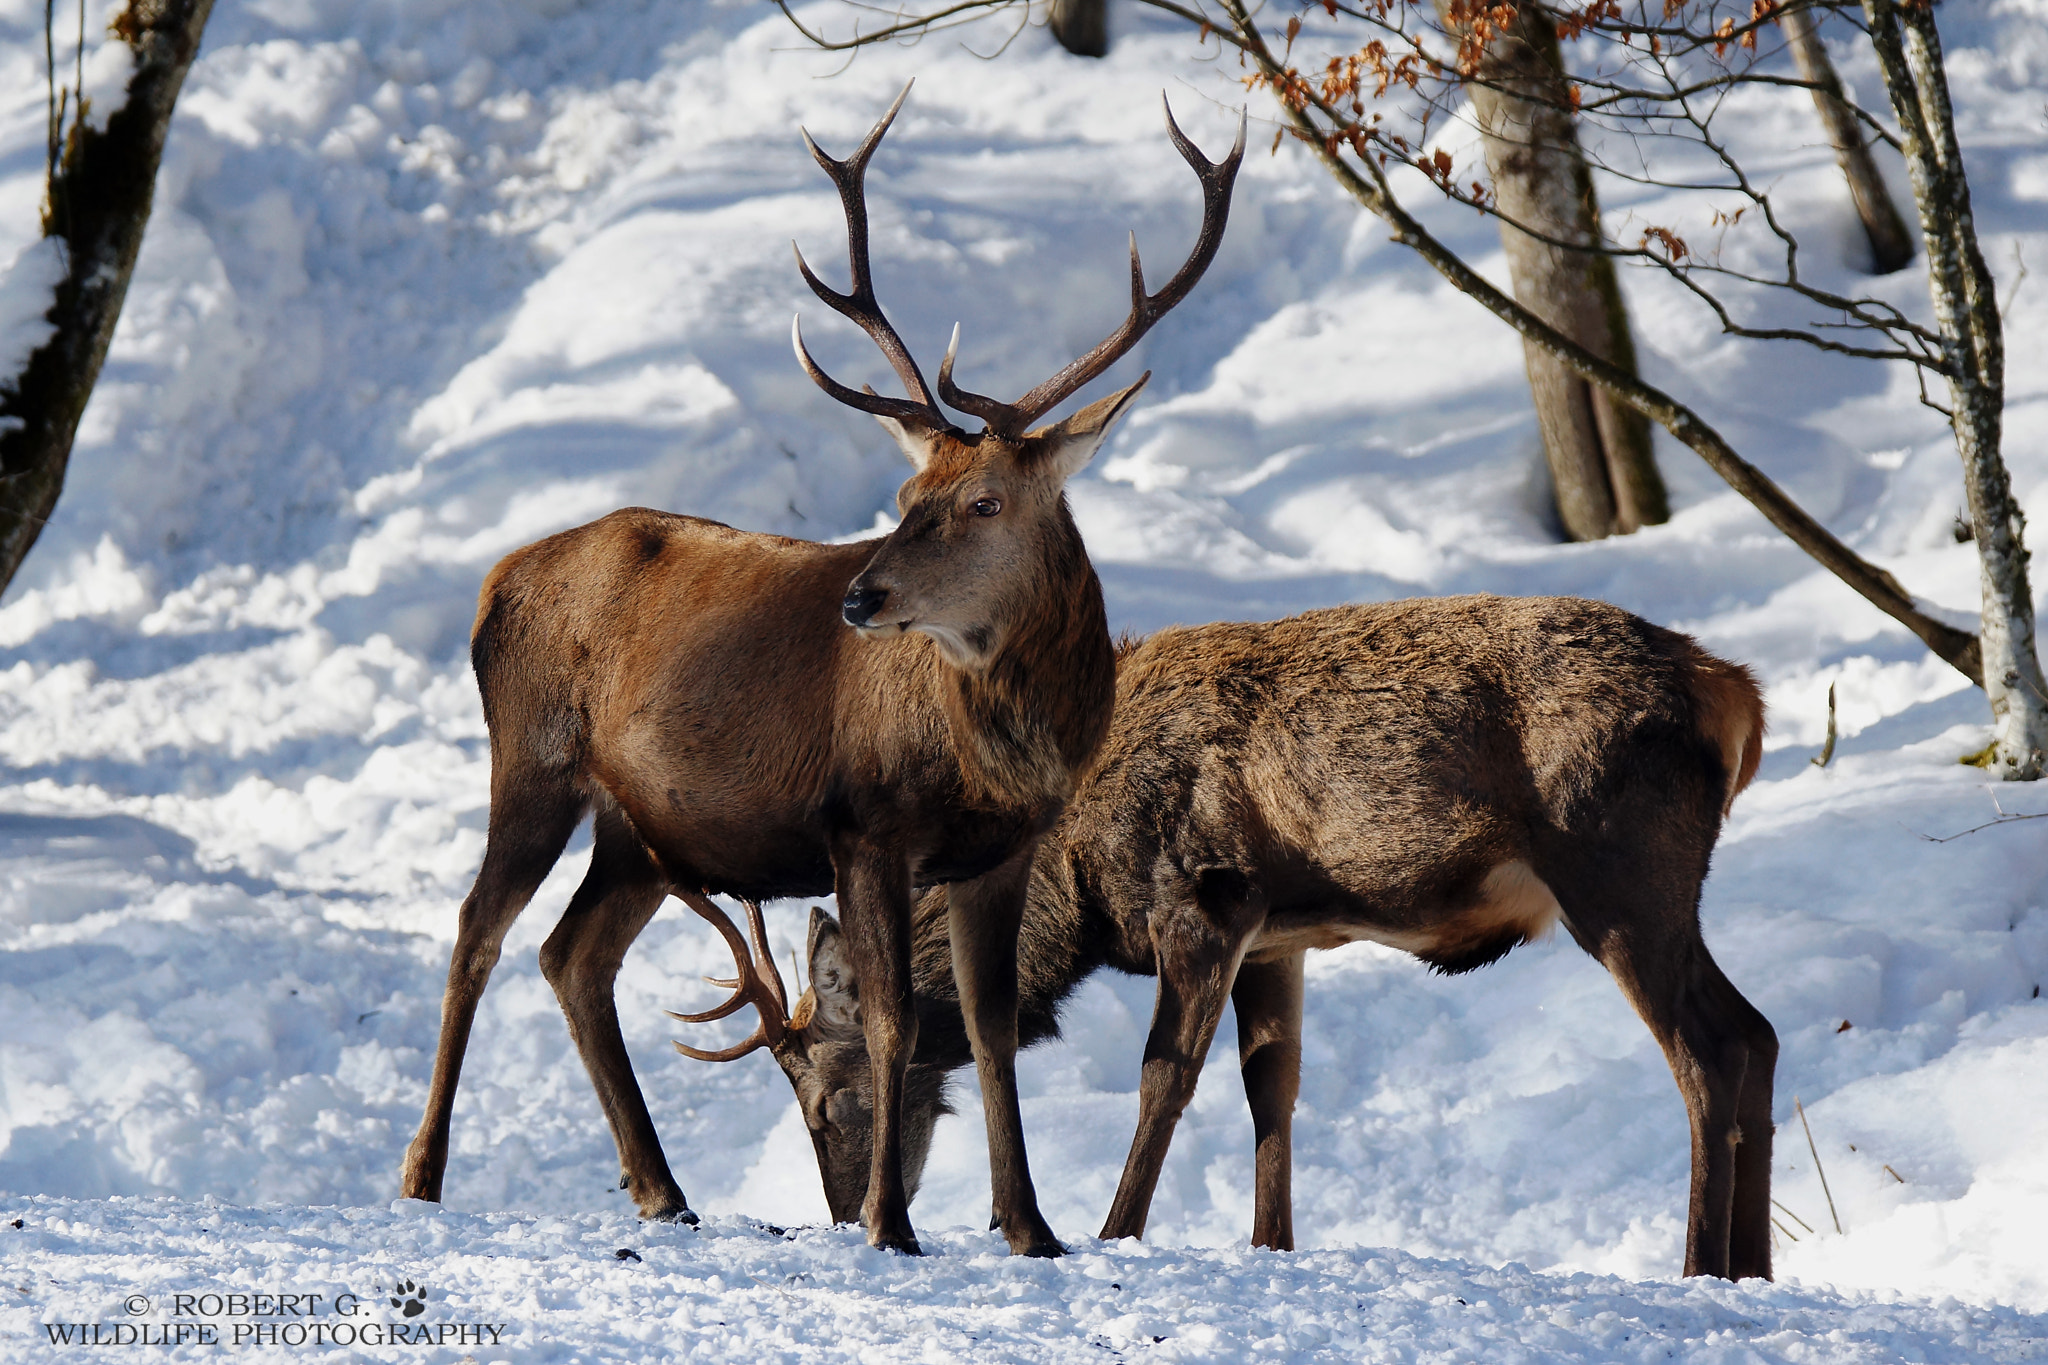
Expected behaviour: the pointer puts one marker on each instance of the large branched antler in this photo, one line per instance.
(1005, 419)
(860, 305)
(754, 982)
(1218, 178)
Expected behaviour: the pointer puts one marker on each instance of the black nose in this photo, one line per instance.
(861, 604)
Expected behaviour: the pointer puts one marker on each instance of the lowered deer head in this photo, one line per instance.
(821, 1049)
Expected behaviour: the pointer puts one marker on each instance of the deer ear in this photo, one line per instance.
(835, 990)
(914, 440)
(1071, 444)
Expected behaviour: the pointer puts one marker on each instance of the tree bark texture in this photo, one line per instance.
(1973, 353)
(1598, 448)
(1081, 26)
(1891, 246)
(99, 201)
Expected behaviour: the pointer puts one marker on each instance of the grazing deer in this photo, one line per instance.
(700, 690)
(1451, 777)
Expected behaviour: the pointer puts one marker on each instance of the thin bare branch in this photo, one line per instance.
(914, 25)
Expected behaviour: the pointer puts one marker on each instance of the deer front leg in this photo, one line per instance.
(982, 919)
(1268, 1000)
(873, 886)
(581, 961)
(1197, 966)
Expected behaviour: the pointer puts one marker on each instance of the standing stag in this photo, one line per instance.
(769, 717)
(1451, 777)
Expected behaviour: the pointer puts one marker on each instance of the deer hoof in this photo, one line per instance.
(671, 1208)
(903, 1242)
(421, 1177)
(1033, 1238)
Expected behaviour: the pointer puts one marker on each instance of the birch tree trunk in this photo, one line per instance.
(1973, 352)
(1598, 448)
(1081, 26)
(1891, 247)
(99, 200)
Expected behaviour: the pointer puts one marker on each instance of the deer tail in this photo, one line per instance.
(1728, 707)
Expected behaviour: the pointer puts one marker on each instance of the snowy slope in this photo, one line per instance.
(429, 280)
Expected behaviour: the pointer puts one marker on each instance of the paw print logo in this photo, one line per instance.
(410, 1299)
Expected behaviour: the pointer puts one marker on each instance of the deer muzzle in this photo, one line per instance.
(861, 604)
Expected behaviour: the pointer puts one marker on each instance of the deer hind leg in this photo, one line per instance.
(1723, 1053)
(982, 919)
(530, 823)
(1198, 954)
(581, 958)
(1268, 1001)
(873, 886)
(1749, 1234)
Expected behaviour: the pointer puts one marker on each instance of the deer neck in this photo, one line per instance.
(1028, 722)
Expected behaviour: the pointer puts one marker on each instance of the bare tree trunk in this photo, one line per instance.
(1973, 346)
(1599, 451)
(1081, 26)
(99, 200)
(1891, 247)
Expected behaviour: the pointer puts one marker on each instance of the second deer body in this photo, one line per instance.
(1451, 777)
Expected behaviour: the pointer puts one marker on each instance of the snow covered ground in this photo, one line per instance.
(428, 280)
(520, 1286)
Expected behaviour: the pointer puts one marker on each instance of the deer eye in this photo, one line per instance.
(844, 1110)
(987, 507)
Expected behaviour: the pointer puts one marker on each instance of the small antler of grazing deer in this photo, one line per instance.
(1005, 419)
(755, 981)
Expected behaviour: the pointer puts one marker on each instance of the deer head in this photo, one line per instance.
(985, 522)
(821, 1049)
